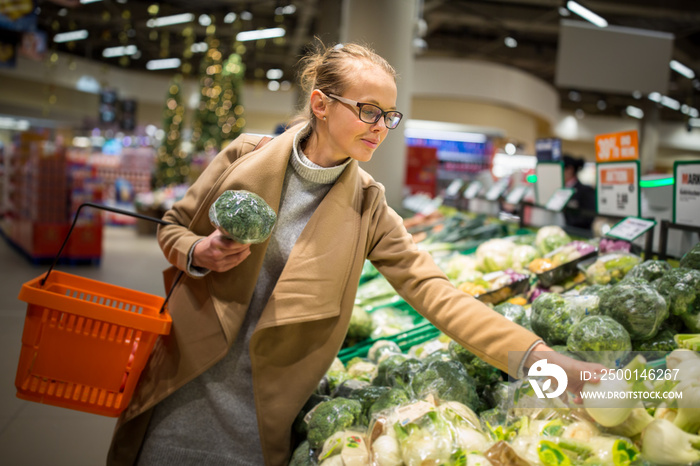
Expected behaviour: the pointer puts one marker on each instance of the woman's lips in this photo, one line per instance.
(370, 143)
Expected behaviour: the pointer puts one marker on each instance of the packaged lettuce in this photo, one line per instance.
(242, 216)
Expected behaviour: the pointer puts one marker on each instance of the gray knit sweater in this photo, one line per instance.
(212, 420)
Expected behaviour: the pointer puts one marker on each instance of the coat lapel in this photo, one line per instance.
(312, 282)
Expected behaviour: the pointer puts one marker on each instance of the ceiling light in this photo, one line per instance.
(163, 64)
(246, 15)
(574, 96)
(510, 42)
(85, 2)
(637, 95)
(199, 47)
(70, 36)
(564, 12)
(586, 14)
(111, 52)
(694, 122)
(11, 123)
(510, 148)
(286, 10)
(274, 73)
(634, 112)
(655, 97)
(170, 20)
(204, 20)
(87, 83)
(670, 103)
(680, 68)
(601, 104)
(260, 34)
(230, 18)
(273, 86)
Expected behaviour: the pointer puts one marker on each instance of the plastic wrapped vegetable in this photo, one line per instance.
(654, 348)
(330, 417)
(570, 252)
(522, 255)
(611, 268)
(447, 380)
(494, 255)
(681, 289)
(360, 328)
(382, 349)
(550, 238)
(242, 216)
(553, 316)
(482, 372)
(637, 306)
(600, 339)
(649, 270)
(514, 313)
(691, 259)
(607, 245)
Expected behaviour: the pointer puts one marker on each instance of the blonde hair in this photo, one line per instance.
(330, 70)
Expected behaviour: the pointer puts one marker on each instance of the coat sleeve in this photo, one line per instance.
(417, 279)
(176, 240)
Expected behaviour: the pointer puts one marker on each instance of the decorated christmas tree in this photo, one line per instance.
(173, 164)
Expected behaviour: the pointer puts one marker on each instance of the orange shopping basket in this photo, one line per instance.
(84, 342)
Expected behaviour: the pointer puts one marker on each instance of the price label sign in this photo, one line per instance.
(617, 189)
(559, 199)
(616, 147)
(686, 193)
(516, 195)
(631, 228)
(550, 177)
(453, 189)
(473, 190)
(496, 191)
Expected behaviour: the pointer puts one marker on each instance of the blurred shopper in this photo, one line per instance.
(583, 199)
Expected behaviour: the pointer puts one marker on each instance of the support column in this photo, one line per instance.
(649, 138)
(388, 27)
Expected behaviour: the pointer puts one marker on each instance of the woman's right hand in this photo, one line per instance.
(218, 253)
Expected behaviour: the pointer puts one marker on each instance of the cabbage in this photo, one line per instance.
(494, 255)
(550, 238)
(522, 255)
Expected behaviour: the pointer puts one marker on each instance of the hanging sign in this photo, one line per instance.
(616, 147)
(631, 228)
(497, 190)
(516, 195)
(686, 193)
(550, 177)
(473, 190)
(617, 189)
(559, 199)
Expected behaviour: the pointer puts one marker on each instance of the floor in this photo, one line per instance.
(33, 434)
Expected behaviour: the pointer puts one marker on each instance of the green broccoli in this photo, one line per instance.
(330, 417)
(681, 289)
(367, 396)
(243, 216)
(691, 259)
(649, 270)
(394, 398)
(402, 374)
(600, 339)
(439, 355)
(482, 372)
(448, 381)
(360, 328)
(386, 368)
(658, 346)
(637, 306)
(553, 315)
(381, 349)
(514, 313)
(594, 290)
(303, 456)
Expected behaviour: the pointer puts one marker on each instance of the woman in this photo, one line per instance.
(256, 327)
(583, 199)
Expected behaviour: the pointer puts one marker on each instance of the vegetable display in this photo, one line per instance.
(600, 339)
(637, 306)
(554, 316)
(242, 216)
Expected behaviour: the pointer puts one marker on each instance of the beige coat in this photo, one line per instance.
(304, 323)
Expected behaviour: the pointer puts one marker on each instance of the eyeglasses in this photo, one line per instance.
(370, 113)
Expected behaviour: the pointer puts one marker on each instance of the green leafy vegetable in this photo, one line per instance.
(600, 339)
(330, 417)
(638, 307)
(242, 216)
(681, 289)
(691, 259)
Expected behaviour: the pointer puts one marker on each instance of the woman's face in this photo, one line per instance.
(348, 136)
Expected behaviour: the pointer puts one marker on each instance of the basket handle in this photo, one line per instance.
(117, 211)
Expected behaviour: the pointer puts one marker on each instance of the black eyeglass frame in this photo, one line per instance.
(359, 105)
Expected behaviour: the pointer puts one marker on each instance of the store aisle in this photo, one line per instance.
(33, 434)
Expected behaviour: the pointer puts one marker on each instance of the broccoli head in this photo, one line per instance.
(637, 306)
(302, 456)
(386, 368)
(681, 289)
(360, 327)
(600, 339)
(594, 290)
(330, 417)
(402, 374)
(514, 313)
(448, 381)
(691, 259)
(391, 399)
(482, 372)
(367, 396)
(554, 315)
(649, 270)
(658, 346)
(242, 216)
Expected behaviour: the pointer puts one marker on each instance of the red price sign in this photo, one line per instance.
(617, 147)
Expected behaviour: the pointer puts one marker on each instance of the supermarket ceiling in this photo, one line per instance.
(525, 34)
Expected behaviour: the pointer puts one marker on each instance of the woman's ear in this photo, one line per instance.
(318, 104)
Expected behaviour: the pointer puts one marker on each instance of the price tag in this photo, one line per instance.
(473, 190)
(631, 228)
(559, 199)
(453, 189)
(617, 189)
(686, 193)
(616, 147)
(496, 191)
(550, 177)
(516, 195)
